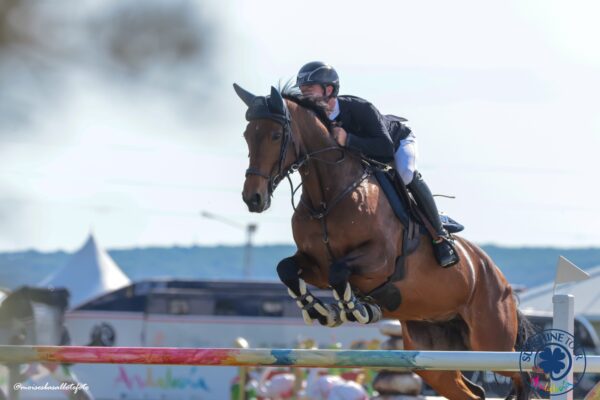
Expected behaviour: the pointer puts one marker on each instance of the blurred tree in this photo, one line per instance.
(7, 30)
(155, 34)
(21, 59)
(164, 45)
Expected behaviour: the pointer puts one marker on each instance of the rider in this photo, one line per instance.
(360, 126)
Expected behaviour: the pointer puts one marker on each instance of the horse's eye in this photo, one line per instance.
(276, 136)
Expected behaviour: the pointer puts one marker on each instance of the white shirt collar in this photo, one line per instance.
(336, 110)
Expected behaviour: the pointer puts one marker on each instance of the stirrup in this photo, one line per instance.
(445, 251)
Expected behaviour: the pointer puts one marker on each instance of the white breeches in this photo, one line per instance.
(405, 158)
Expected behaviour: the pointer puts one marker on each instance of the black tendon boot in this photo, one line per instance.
(443, 245)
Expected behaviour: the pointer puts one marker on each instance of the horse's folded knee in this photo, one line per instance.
(288, 271)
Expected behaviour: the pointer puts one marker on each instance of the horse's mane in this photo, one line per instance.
(289, 92)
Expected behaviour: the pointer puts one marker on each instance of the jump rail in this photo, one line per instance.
(405, 360)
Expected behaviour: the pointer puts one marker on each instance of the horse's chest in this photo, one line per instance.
(347, 224)
(313, 235)
(308, 232)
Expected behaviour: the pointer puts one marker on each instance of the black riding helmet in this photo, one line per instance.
(317, 72)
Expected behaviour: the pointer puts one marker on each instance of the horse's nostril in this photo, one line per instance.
(256, 199)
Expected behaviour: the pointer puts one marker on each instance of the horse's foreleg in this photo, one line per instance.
(312, 308)
(352, 308)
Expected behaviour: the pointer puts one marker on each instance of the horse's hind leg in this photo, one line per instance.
(494, 327)
(495, 332)
(492, 317)
(289, 270)
(352, 309)
(489, 336)
(450, 384)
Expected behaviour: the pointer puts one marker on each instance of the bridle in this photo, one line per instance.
(282, 172)
(301, 160)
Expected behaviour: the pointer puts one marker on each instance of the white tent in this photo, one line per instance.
(586, 293)
(89, 273)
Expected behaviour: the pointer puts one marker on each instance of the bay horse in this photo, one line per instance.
(349, 239)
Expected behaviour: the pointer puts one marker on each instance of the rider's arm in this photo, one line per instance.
(374, 140)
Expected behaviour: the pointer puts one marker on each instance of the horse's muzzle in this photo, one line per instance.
(256, 193)
(256, 202)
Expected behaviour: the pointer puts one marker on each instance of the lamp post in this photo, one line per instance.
(250, 230)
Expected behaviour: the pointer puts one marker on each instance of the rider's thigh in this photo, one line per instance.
(406, 159)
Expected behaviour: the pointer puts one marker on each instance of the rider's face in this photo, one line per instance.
(313, 91)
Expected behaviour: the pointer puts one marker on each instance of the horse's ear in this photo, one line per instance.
(245, 95)
(276, 101)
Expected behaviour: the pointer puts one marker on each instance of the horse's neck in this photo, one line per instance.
(324, 176)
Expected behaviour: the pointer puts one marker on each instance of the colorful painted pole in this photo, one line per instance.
(407, 360)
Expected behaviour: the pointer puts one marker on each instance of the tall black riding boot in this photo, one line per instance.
(443, 245)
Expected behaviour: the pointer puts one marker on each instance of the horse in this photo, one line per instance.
(349, 239)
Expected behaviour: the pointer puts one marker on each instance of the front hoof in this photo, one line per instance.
(307, 319)
(361, 314)
(333, 317)
(367, 313)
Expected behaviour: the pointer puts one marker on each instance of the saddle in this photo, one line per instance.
(403, 204)
(406, 210)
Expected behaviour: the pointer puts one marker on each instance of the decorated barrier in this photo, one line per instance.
(397, 359)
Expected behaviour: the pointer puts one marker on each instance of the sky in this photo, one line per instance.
(503, 98)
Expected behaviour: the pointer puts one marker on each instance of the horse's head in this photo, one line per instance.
(269, 137)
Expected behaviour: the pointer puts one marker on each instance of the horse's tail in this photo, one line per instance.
(525, 329)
